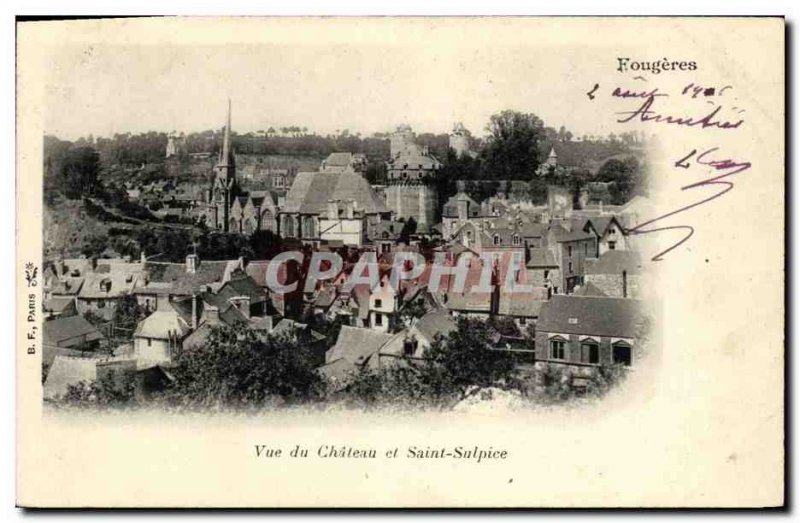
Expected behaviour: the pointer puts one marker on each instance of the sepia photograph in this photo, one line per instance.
(474, 246)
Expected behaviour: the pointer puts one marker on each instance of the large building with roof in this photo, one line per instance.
(409, 171)
(330, 206)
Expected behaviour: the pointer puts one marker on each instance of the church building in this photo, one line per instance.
(227, 207)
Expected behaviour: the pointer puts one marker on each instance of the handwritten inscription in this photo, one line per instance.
(721, 116)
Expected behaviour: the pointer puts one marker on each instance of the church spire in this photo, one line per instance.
(226, 152)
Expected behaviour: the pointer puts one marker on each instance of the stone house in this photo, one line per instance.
(588, 331)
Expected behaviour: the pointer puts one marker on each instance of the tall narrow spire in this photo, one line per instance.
(226, 143)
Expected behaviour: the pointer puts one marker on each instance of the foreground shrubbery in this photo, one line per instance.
(241, 369)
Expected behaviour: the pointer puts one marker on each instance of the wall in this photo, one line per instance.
(611, 284)
(413, 201)
(158, 350)
(572, 348)
(351, 232)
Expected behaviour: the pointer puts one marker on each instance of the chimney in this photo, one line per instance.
(142, 257)
(333, 210)
(212, 314)
(194, 312)
(192, 261)
(162, 302)
(349, 208)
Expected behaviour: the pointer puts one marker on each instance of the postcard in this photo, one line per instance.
(467, 262)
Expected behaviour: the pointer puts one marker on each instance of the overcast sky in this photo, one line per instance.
(106, 87)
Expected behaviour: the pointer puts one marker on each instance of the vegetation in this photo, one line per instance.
(239, 368)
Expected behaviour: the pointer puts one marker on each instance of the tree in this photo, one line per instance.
(625, 178)
(78, 172)
(240, 368)
(512, 149)
(452, 367)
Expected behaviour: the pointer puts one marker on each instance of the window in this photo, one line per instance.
(101, 304)
(569, 251)
(378, 303)
(149, 342)
(523, 321)
(546, 273)
(612, 230)
(590, 352)
(612, 246)
(557, 349)
(516, 240)
(570, 267)
(410, 346)
(496, 239)
(586, 249)
(622, 354)
(379, 320)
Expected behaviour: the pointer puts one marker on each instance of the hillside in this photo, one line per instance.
(68, 228)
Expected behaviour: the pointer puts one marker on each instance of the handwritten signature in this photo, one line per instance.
(728, 168)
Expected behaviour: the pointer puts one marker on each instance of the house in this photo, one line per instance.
(611, 235)
(160, 335)
(457, 211)
(331, 206)
(59, 307)
(72, 332)
(109, 282)
(352, 351)
(413, 341)
(616, 274)
(543, 269)
(383, 302)
(572, 248)
(588, 331)
(344, 162)
(187, 279)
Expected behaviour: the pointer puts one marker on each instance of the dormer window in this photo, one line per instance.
(497, 239)
(573, 321)
(516, 240)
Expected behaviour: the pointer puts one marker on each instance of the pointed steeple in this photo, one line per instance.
(227, 152)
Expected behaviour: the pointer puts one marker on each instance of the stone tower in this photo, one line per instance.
(225, 187)
(459, 139)
(410, 168)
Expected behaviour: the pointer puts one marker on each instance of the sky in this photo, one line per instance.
(310, 78)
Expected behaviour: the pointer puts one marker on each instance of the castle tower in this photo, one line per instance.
(459, 139)
(225, 188)
(400, 140)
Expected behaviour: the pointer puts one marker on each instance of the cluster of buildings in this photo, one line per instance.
(582, 308)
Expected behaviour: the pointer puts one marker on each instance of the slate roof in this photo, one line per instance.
(561, 235)
(450, 209)
(186, 283)
(436, 322)
(608, 317)
(469, 301)
(70, 331)
(160, 324)
(523, 304)
(338, 160)
(589, 289)
(67, 371)
(615, 262)
(59, 304)
(311, 191)
(356, 345)
(540, 258)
